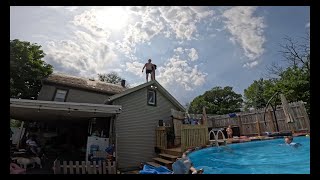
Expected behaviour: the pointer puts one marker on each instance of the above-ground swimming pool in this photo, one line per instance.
(257, 157)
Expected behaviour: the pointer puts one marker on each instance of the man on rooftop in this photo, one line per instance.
(150, 68)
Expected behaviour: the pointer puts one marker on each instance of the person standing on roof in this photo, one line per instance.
(149, 69)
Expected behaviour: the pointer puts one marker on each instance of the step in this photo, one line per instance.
(168, 156)
(153, 164)
(164, 161)
(171, 152)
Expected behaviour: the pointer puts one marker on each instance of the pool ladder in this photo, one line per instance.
(216, 139)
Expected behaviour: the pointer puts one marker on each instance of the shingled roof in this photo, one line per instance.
(83, 83)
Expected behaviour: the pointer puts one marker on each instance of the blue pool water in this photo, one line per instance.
(257, 157)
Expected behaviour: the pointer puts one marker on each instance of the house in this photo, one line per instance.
(128, 117)
(142, 108)
(66, 106)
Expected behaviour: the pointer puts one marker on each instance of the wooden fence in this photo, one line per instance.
(193, 135)
(252, 123)
(161, 137)
(83, 168)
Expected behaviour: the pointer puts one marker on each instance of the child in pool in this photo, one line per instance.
(288, 141)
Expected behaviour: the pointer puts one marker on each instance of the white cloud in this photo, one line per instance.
(142, 31)
(246, 30)
(179, 50)
(201, 12)
(180, 22)
(308, 25)
(250, 64)
(88, 20)
(84, 53)
(135, 68)
(90, 50)
(178, 73)
(193, 54)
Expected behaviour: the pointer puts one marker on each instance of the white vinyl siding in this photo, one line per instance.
(135, 127)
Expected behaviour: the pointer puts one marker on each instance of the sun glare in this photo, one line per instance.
(113, 18)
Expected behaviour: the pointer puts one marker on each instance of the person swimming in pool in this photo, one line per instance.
(288, 141)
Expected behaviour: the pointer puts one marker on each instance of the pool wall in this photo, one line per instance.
(241, 140)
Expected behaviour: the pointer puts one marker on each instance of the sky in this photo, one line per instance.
(195, 48)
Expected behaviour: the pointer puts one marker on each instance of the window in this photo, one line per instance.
(60, 95)
(151, 98)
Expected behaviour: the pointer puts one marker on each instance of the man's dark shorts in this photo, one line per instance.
(148, 71)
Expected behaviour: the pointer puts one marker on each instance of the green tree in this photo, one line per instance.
(294, 79)
(111, 77)
(271, 87)
(294, 83)
(218, 101)
(197, 104)
(259, 92)
(27, 69)
(254, 95)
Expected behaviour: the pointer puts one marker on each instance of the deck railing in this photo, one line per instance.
(161, 137)
(193, 136)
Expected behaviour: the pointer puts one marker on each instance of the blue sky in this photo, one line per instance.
(195, 48)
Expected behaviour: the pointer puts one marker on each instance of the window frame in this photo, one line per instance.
(55, 94)
(154, 95)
